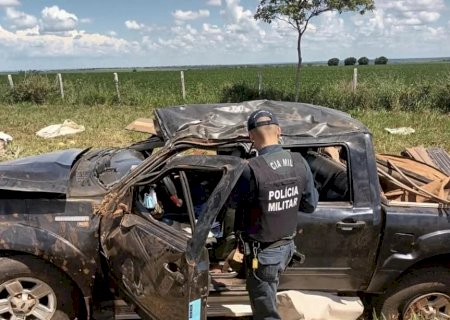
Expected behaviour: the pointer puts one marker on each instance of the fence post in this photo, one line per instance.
(11, 83)
(183, 88)
(260, 77)
(61, 86)
(355, 79)
(116, 81)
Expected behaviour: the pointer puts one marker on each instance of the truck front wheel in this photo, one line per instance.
(33, 289)
(421, 294)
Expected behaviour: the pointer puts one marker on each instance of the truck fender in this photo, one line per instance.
(50, 247)
(424, 248)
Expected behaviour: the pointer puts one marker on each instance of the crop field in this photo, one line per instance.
(415, 95)
(398, 87)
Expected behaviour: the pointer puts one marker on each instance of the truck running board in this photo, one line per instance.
(123, 311)
(229, 310)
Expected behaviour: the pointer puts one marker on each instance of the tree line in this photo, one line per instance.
(351, 61)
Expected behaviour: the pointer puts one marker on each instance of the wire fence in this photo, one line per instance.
(387, 86)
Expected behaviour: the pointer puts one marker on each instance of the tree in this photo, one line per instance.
(333, 62)
(381, 60)
(363, 61)
(350, 61)
(298, 13)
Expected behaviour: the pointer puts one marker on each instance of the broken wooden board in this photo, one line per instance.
(419, 154)
(436, 157)
(441, 158)
(142, 125)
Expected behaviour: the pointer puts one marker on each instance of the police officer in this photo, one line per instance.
(274, 187)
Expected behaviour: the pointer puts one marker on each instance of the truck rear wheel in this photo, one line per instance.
(33, 289)
(422, 294)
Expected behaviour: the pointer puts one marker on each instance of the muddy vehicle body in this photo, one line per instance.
(76, 230)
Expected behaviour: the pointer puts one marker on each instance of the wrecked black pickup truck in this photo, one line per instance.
(149, 223)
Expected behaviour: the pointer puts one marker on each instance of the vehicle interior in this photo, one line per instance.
(177, 198)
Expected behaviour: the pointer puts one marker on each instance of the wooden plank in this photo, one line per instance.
(142, 125)
(441, 158)
(420, 154)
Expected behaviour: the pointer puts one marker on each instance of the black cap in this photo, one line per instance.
(253, 123)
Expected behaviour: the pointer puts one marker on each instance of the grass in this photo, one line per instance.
(105, 127)
(408, 87)
(415, 95)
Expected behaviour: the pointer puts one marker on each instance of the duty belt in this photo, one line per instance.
(269, 245)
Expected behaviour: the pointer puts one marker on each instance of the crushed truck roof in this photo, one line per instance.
(227, 121)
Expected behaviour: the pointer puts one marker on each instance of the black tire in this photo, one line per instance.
(20, 269)
(416, 284)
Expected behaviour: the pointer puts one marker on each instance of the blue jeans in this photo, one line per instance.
(262, 283)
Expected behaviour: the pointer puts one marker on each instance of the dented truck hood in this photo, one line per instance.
(48, 172)
(227, 121)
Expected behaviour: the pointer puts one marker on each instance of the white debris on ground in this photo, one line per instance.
(401, 131)
(68, 127)
(297, 305)
(4, 140)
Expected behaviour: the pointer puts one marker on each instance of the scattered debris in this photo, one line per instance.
(303, 305)
(419, 154)
(56, 130)
(409, 180)
(4, 140)
(142, 125)
(436, 157)
(401, 131)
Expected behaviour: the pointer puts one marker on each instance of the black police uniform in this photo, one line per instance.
(274, 187)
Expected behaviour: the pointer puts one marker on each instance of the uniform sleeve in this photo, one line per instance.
(244, 194)
(310, 196)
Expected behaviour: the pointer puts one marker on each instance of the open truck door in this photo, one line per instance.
(164, 271)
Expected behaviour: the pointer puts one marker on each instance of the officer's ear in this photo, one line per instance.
(279, 131)
(251, 136)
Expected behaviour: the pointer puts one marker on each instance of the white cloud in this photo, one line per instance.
(55, 19)
(86, 20)
(134, 25)
(9, 3)
(20, 20)
(28, 32)
(181, 15)
(397, 28)
(29, 43)
(411, 12)
(240, 19)
(211, 29)
(142, 28)
(216, 3)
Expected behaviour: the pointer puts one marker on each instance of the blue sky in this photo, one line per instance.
(57, 34)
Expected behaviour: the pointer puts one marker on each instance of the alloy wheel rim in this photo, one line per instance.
(430, 306)
(26, 299)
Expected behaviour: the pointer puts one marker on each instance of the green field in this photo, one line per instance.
(416, 95)
(391, 87)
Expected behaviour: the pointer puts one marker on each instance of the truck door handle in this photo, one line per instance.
(350, 226)
(174, 273)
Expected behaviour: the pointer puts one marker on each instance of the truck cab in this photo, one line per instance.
(160, 254)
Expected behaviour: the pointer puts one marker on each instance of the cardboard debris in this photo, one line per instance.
(68, 127)
(4, 140)
(142, 125)
(5, 137)
(299, 305)
(402, 131)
